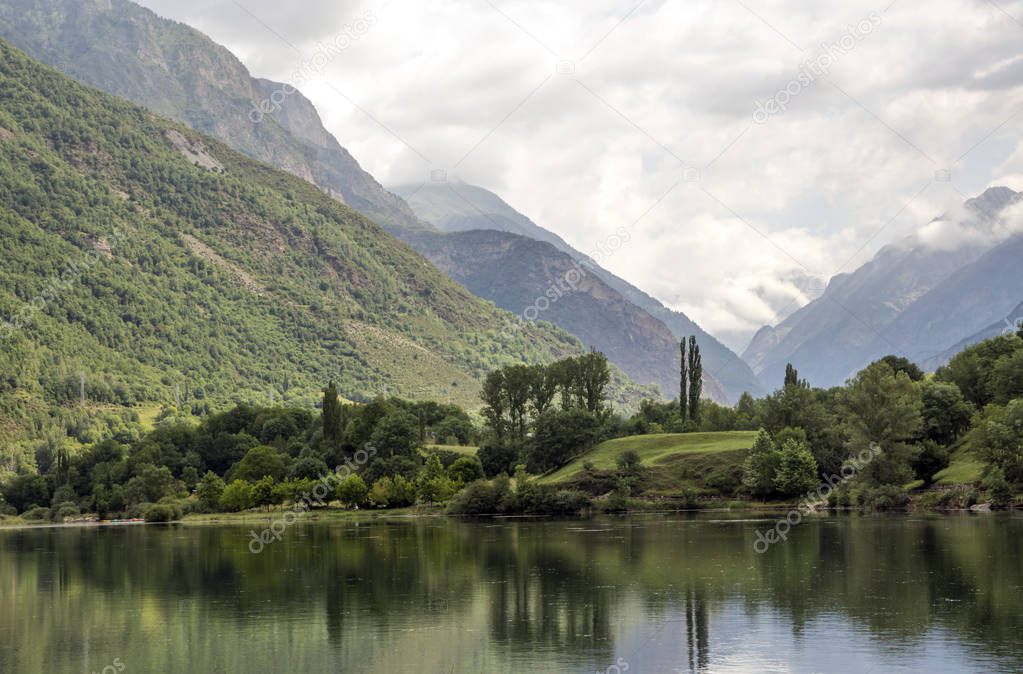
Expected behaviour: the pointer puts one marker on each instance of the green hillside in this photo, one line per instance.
(963, 468)
(654, 450)
(161, 265)
(173, 69)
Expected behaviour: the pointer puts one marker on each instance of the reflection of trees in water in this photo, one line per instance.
(697, 631)
(375, 570)
(546, 586)
(902, 577)
(542, 593)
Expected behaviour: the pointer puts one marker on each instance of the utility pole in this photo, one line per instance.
(81, 387)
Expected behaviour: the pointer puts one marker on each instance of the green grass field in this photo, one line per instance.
(965, 468)
(655, 448)
(467, 450)
(147, 416)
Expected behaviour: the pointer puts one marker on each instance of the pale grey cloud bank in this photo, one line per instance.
(882, 129)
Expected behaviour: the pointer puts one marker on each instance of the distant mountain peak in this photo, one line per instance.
(992, 201)
(952, 277)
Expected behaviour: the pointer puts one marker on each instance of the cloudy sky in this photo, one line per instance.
(750, 147)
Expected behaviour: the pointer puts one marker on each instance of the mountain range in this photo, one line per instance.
(918, 298)
(145, 262)
(129, 51)
(617, 316)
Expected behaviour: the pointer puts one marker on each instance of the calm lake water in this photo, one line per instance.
(650, 593)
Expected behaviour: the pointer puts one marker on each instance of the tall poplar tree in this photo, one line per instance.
(791, 376)
(332, 415)
(695, 379)
(683, 393)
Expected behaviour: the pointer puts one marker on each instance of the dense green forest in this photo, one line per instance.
(392, 452)
(145, 265)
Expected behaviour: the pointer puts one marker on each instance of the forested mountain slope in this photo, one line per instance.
(166, 66)
(161, 264)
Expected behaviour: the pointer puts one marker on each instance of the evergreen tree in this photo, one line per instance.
(517, 388)
(683, 393)
(543, 385)
(594, 376)
(695, 379)
(792, 378)
(332, 415)
(901, 364)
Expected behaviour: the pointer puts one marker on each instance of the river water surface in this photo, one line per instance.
(637, 594)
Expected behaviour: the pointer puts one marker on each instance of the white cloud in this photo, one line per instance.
(840, 173)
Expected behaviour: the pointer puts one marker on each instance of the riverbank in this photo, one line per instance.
(924, 502)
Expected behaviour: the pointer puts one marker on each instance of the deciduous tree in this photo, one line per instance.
(883, 409)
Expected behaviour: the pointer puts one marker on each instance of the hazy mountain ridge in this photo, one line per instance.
(459, 207)
(514, 271)
(1010, 324)
(975, 296)
(914, 298)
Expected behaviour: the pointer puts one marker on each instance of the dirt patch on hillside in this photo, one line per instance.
(412, 368)
(237, 273)
(5, 134)
(193, 151)
(103, 246)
